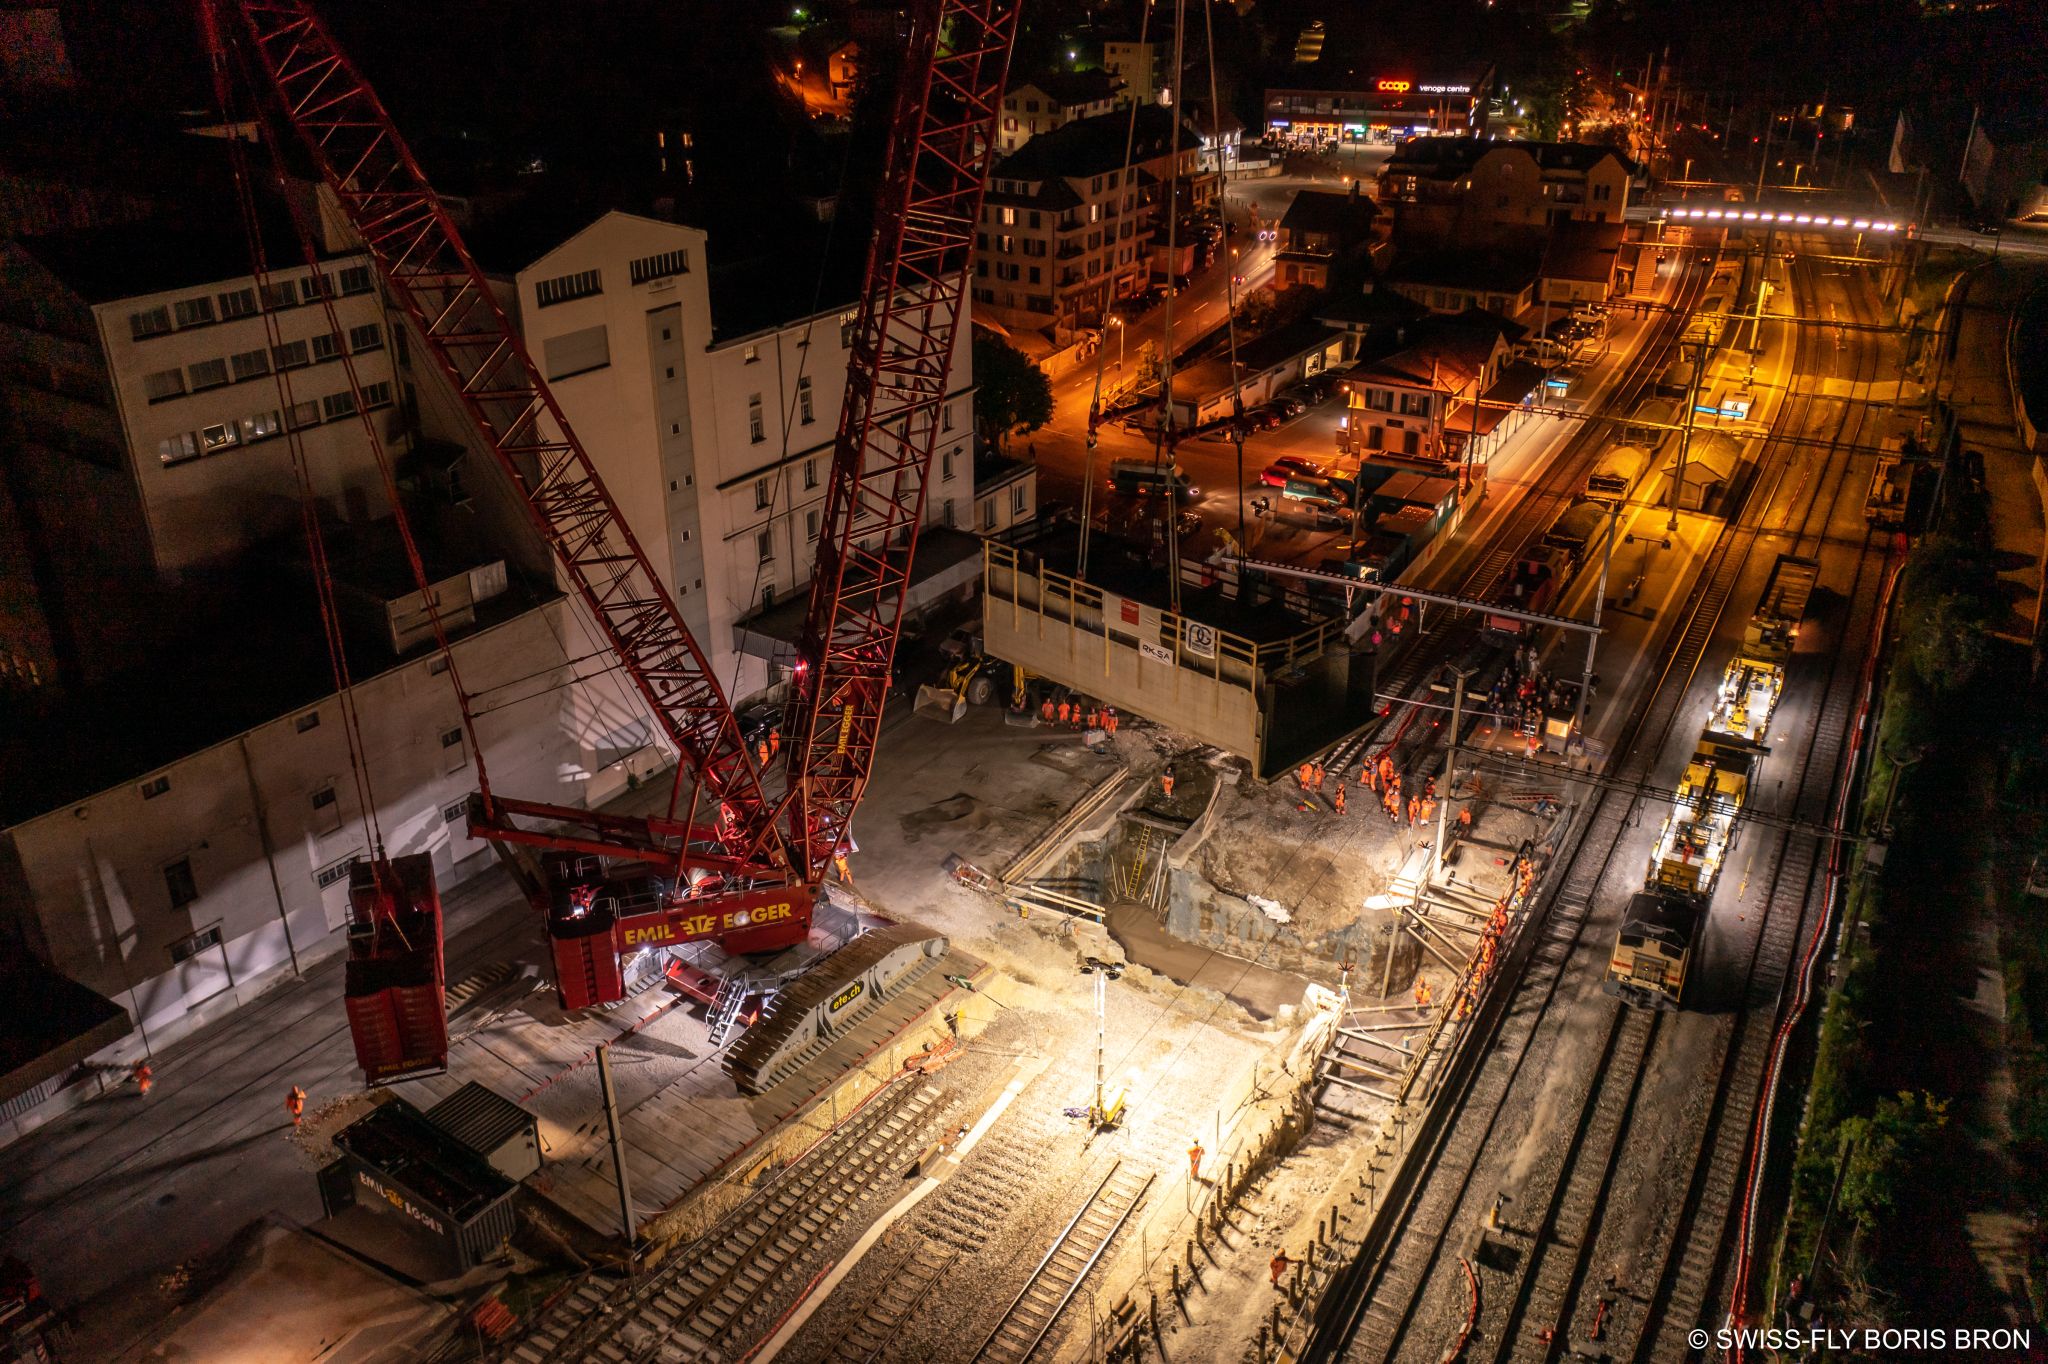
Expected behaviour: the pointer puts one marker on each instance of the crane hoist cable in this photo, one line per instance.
(316, 540)
(1126, 212)
(219, 54)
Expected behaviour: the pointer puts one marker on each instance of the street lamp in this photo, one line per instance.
(1105, 1112)
(1116, 320)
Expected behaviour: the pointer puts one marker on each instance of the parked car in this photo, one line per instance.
(1263, 419)
(1288, 407)
(1289, 466)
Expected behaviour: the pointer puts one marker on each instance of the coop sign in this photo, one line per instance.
(1395, 87)
(401, 1202)
(688, 922)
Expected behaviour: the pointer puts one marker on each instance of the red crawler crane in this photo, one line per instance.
(610, 884)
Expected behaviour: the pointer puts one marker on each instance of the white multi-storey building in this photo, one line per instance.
(716, 446)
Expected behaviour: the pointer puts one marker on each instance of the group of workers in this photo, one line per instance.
(1490, 939)
(1069, 712)
(1382, 779)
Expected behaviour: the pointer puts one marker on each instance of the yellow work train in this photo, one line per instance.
(1654, 946)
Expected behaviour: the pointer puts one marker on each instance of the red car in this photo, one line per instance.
(1289, 466)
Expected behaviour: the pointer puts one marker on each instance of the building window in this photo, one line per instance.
(849, 323)
(209, 374)
(193, 312)
(278, 297)
(149, 322)
(453, 755)
(164, 384)
(334, 873)
(326, 811)
(369, 336)
(988, 514)
(184, 890)
(803, 408)
(760, 494)
(376, 395)
(756, 428)
(356, 279)
(562, 288)
(453, 814)
(326, 346)
(810, 474)
(750, 355)
(197, 943)
(238, 303)
(251, 364)
(335, 406)
(946, 466)
(811, 524)
(302, 415)
(764, 545)
(177, 449)
(946, 409)
(214, 439)
(576, 352)
(290, 354)
(1017, 499)
(662, 266)
(155, 787)
(262, 426)
(312, 287)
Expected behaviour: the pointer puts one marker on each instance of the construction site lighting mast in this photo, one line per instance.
(941, 146)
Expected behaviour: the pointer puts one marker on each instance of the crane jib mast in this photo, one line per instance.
(941, 147)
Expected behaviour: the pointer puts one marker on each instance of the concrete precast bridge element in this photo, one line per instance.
(1271, 702)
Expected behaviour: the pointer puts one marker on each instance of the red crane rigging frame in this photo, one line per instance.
(941, 148)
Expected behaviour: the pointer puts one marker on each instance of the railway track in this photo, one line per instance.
(872, 1334)
(723, 1286)
(1556, 483)
(1037, 1308)
(1542, 1303)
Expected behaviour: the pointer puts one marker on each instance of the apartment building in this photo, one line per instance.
(1139, 67)
(1050, 101)
(145, 404)
(1401, 402)
(1066, 229)
(716, 445)
(1322, 232)
(1474, 191)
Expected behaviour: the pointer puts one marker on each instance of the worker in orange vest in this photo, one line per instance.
(1421, 994)
(1319, 775)
(845, 872)
(774, 741)
(1094, 718)
(1386, 770)
(1371, 778)
(1109, 720)
(1337, 798)
(761, 751)
(1195, 1162)
(1066, 710)
(1166, 784)
(1414, 810)
(1045, 710)
(1305, 774)
(144, 1077)
(1465, 820)
(295, 1104)
(1428, 809)
(1278, 1264)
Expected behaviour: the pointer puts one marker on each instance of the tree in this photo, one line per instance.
(1887, 1153)
(1010, 392)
